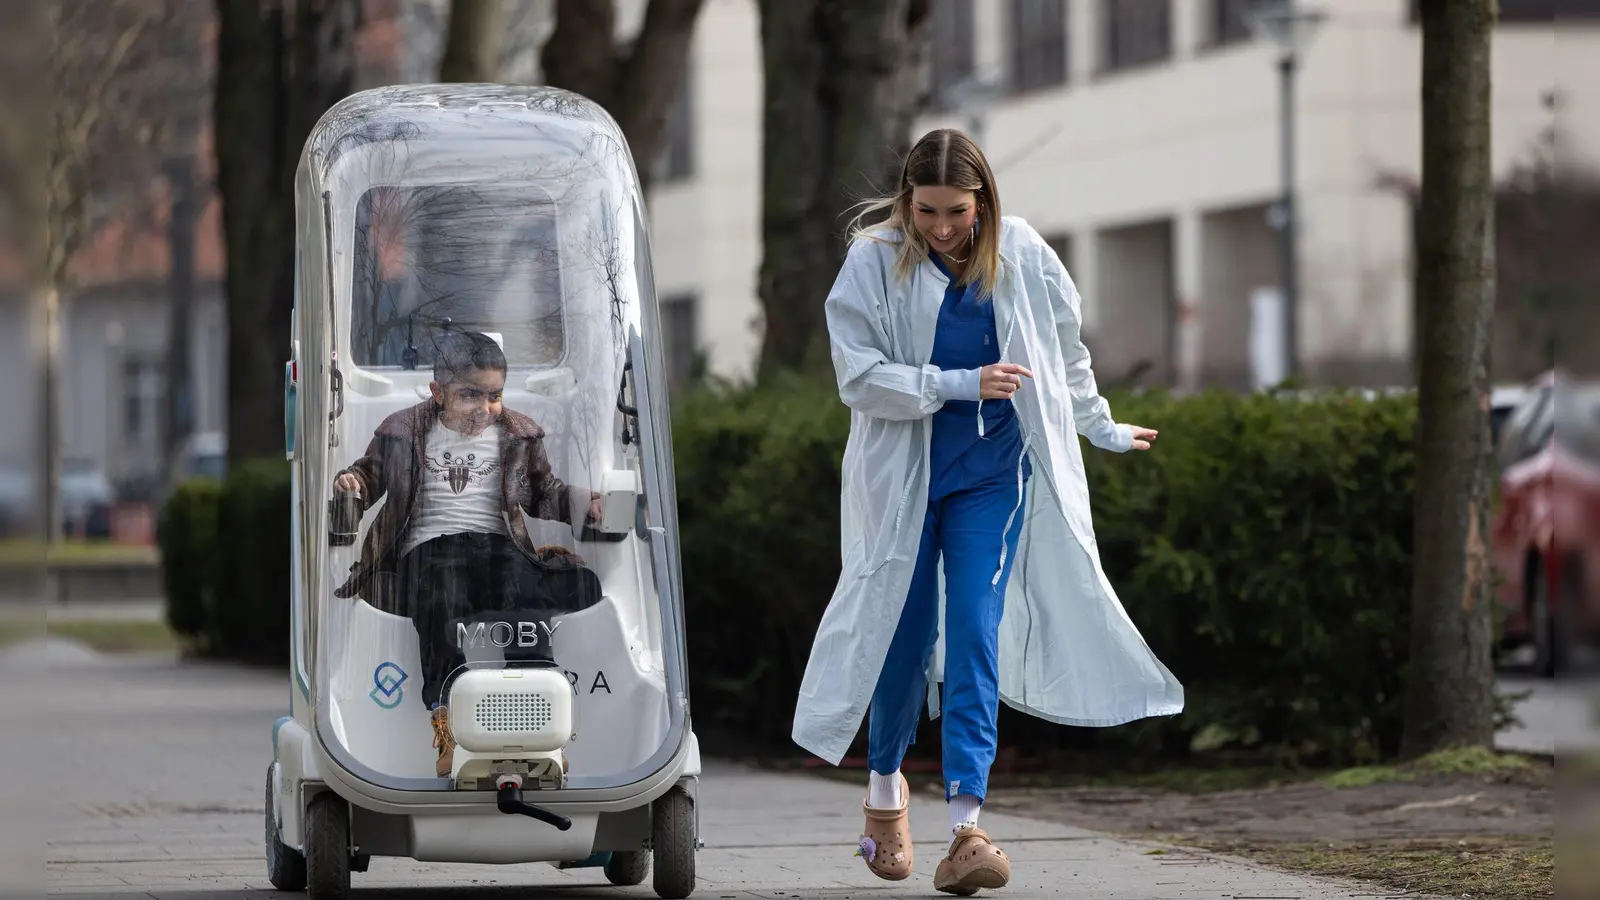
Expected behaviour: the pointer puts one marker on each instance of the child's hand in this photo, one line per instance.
(348, 483)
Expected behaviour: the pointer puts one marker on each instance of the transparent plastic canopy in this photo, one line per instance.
(485, 472)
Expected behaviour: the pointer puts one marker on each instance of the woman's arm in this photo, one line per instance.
(1091, 414)
(868, 382)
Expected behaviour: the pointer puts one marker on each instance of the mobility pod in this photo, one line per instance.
(488, 639)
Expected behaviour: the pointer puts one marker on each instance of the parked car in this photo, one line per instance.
(204, 455)
(1503, 401)
(86, 499)
(19, 504)
(1546, 526)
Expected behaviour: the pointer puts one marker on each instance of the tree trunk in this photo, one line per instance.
(182, 213)
(472, 42)
(840, 92)
(637, 86)
(1450, 683)
(257, 223)
(276, 76)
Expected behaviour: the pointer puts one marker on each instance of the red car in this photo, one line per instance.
(1546, 527)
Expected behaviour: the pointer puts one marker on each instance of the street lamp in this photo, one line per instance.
(1289, 28)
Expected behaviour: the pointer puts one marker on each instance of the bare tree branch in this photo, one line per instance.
(117, 78)
(638, 84)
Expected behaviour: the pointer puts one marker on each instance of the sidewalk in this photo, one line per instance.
(174, 810)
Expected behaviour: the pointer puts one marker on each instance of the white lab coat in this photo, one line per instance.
(1068, 651)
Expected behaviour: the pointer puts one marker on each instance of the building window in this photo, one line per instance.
(142, 395)
(1061, 243)
(679, 337)
(1137, 32)
(1551, 11)
(1038, 44)
(1228, 22)
(1519, 12)
(677, 156)
(952, 54)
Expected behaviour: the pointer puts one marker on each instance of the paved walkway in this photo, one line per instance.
(145, 778)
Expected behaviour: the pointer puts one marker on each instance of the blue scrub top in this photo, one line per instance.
(966, 338)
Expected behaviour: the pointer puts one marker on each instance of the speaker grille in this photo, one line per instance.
(512, 713)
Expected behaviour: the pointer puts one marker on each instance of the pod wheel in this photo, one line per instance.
(627, 868)
(286, 867)
(672, 841)
(327, 848)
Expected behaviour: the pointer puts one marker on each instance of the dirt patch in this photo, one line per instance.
(1493, 868)
(1484, 834)
(1510, 804)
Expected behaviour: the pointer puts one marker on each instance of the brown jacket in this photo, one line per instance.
(390, 467)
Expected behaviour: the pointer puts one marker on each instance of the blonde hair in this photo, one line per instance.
(944, 157)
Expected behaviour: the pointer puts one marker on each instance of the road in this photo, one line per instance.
(140, 776)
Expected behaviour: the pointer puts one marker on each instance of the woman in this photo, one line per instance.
(955, 338)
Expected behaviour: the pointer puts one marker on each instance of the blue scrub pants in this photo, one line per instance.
(967, 511)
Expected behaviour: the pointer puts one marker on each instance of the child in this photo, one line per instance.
(459, 470)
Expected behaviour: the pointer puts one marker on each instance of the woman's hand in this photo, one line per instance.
(1001, 380)
(347, 482)
(1143, 437)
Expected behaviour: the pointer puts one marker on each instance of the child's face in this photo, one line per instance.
(471, 401)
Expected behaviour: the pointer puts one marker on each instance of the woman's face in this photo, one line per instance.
(944, 216)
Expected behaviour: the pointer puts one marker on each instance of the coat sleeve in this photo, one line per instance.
(549, 497)
(372, 469)
(859, 339)
(1091, 414)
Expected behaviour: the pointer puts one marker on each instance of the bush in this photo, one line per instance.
(758, 511)
(226, 555)
(1263, 549)
(252, 569)
(186, 533)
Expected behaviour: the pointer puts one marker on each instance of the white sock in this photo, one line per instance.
(883, 791)
(963, 811)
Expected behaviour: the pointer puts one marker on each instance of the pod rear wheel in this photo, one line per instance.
(286, 867)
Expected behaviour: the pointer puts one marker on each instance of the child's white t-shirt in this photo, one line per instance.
(460, 486)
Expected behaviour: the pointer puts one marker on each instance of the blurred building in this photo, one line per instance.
(116, 317)
(1142, 138)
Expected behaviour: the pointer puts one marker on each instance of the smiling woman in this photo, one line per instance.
(956, 345)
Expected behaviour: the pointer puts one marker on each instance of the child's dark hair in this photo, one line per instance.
(464, 351)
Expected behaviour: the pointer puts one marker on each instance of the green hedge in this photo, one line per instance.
(186, 533)
(1263, 549)
(225, 551)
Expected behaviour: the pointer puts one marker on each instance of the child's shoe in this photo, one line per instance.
(444, 742)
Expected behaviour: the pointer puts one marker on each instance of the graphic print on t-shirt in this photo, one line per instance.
(459, 486)
(460, 469)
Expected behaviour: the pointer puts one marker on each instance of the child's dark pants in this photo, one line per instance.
(460, 575)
